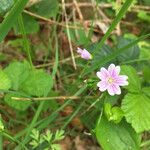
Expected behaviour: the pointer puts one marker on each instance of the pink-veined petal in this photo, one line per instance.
(114, 89)
(114, 70)
(102, 85)
(121, 80)
(86, 55)
(102, 74)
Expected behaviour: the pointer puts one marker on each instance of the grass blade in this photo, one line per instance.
(11, 17)
(119, 16)
(113, 55)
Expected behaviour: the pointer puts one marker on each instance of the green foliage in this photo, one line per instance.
(17, 72)
(146, 91)
(17, 104)
(113, 136)
(30, 24)
(144, 16)
(113, 113)
(136, 108)
(131, 53)
(48, 139)
(38, 83)
(134, 81)
(5, 82)
(1, 125)
(5, 5)
(11, 17)
(46, 8)
(78, 36)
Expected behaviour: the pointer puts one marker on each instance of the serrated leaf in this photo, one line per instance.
(131, 53)
(38, 83)
(136, 109)
(113, 136)
(46, 8)
(5, 5)
(5, 82)
(30, 25)
(133, 79)
(17, 104)
(18, 73)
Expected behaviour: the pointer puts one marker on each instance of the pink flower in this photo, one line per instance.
(111, 80)
(84, 53)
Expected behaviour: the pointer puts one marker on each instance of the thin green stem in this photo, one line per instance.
(145, 143)
(25, 39)
(5, 134)
(119, 16)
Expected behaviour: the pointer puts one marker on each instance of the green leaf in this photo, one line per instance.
(38, 83)
(112, 56)
(30, 24)
(133, 79)
(146, 91)
(78, 36)
(114, 114)
(5, 5)
(113, 136)
(131, 53)
(17, 72)
(144, 16)
(136, 108)
(146, 73)
(5, 82)
(17, 104)
(11, 17)
(46, 8)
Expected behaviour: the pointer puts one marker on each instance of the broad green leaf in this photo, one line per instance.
(11, 17)
(17, 104)
(5, 5)
(136, 108)
(113, 136)
(131, 53)
(5, 82)
(146, 91)
(46, 8)
(17, 72)
(105, 51)
(133, 79)
(112, 56)
(38, 83)
(30, 24)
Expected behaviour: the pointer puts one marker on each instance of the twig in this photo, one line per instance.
(134, 8)
(49, 98)
(68, 34)
(52, 63)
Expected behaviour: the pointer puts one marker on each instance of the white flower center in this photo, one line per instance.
(110, 80)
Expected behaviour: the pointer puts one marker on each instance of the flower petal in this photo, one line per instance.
(102, 85)
(102, 74)
(86, 55)
(79, 50)
(114, 89)
(114, 70)
(121, 80)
